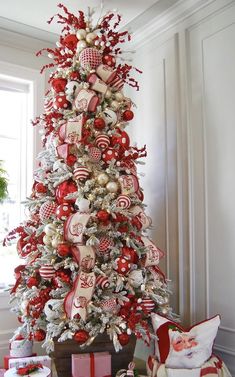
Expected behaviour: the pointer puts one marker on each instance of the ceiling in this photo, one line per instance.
(36, 13)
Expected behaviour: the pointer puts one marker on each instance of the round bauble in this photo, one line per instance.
(70, 41)
(32, 281)
(123, 201)
(63, 250)
(127, 115)
(39, 335)
(63, 211)
(81, 173)
(108, 94)
(61, 102)
(46, 240)
(63, 189)
(81, 336)
(147, 305)
(71, 159)
(115, 105)
(119, 96)
(102, 282)
(99, 124)
(94, 154)
(105, 244)
(72, 89)
(121, 139)
(110, 117)
(102, 141)
(109, 60)
(81, 34)
(103, 179)
(52, 309)
(50, 229)
(56, 241)
(135, 278)
(47, 210)
(81, 46)
(123, 338)
(122, 266)
(40, 188)
(109, 305)
(109, 155)
(58, 84)
(47, 272)
(130, 254)
(90, 58)
(103, 215)
(112, 186)
(90, 37)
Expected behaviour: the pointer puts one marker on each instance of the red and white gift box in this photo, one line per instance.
(96, 364)
(7, 358)
(42, 372)
(22, 362)
(86, 100)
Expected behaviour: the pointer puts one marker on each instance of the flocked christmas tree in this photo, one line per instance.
(88, 265)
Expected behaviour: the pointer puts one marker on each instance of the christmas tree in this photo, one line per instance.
(88, 265)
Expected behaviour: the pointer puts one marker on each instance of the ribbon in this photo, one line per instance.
(153, 253)
(71, 132)
(84, 256)
(92, 365)
(75, 226)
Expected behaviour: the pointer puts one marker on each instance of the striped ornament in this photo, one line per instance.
(47, 272)
(48, 105)
(102, 282)
(102, 141)
(117, 83)
(147, 305)
(81, 173)
(123, 201)
(47, 209)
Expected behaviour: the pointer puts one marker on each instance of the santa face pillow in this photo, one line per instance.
(186, 349)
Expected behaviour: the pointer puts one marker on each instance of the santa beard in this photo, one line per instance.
(187, 358)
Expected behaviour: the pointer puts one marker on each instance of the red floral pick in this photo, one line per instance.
(30, 368)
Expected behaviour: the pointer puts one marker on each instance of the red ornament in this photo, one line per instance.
(75, 76)
(47, 210)
(61, 102)
(63, 189)
(123, 228)
(129, 254)
(81, 336)
(109, 305)
(122, 266)
(123, 338)
(102, 141)
(81, 173)
(59, 84)
(119, 218)
(32, 282)
(103, 215)
(122, 139)
(102, 282)
(136, 222)
(110, 155)
(71, 159)
(47, 272)
(40, 188)
(39, 335)
(123, 201)
(109, 60)
(105, 243)
(128, 115)
(63, 211)
(99, 124)
(94, 154)
(147, 305)
(63, 250)
(70, 41)
(90, 58)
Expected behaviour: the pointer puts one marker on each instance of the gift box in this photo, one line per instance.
(22, 362)
(8, 357)
(42, 372)
(96, 364)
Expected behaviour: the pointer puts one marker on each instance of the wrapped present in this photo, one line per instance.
(21, 348)
(7, 358)
(96, 364)
(42, 372)
(97, 84)
(22, 362)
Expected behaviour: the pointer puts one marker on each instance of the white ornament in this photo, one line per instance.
(90, 37)
(110, 117)
(47, 240)
(108, 94)
(53, 309)
(103, 179)
(81, 45)
(72, 89)
(119, 96)
(112, 186)
(115, 105)
(55, 241)
(81, 34)
(83, 205)
(50, 229)
(135, 278)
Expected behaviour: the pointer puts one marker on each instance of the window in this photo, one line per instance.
(16, 151)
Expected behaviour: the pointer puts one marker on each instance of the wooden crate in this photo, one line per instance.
(102, 343)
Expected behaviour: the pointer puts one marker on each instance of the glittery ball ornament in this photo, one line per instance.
(90, 58)
(47, 210)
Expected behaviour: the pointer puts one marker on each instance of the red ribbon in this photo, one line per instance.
(92, 365)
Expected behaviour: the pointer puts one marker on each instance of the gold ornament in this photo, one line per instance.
(81, 34)
(112, 186)
(108, 94)
(115, 105)
(103, 179)
(50, 229)
(90, 38)
(119, 96)
(47, 240)
(81, 45)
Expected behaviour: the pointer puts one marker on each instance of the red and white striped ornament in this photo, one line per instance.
(147, 305)
(102, 281)
(102, 141)
(47, 210)
(90, 58)
(48, 105)
(81, 173)
(47, 272)
(117, 83)
(123, 201)
(94, 154)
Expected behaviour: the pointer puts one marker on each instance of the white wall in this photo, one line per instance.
(186, 117)
(17, 58)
